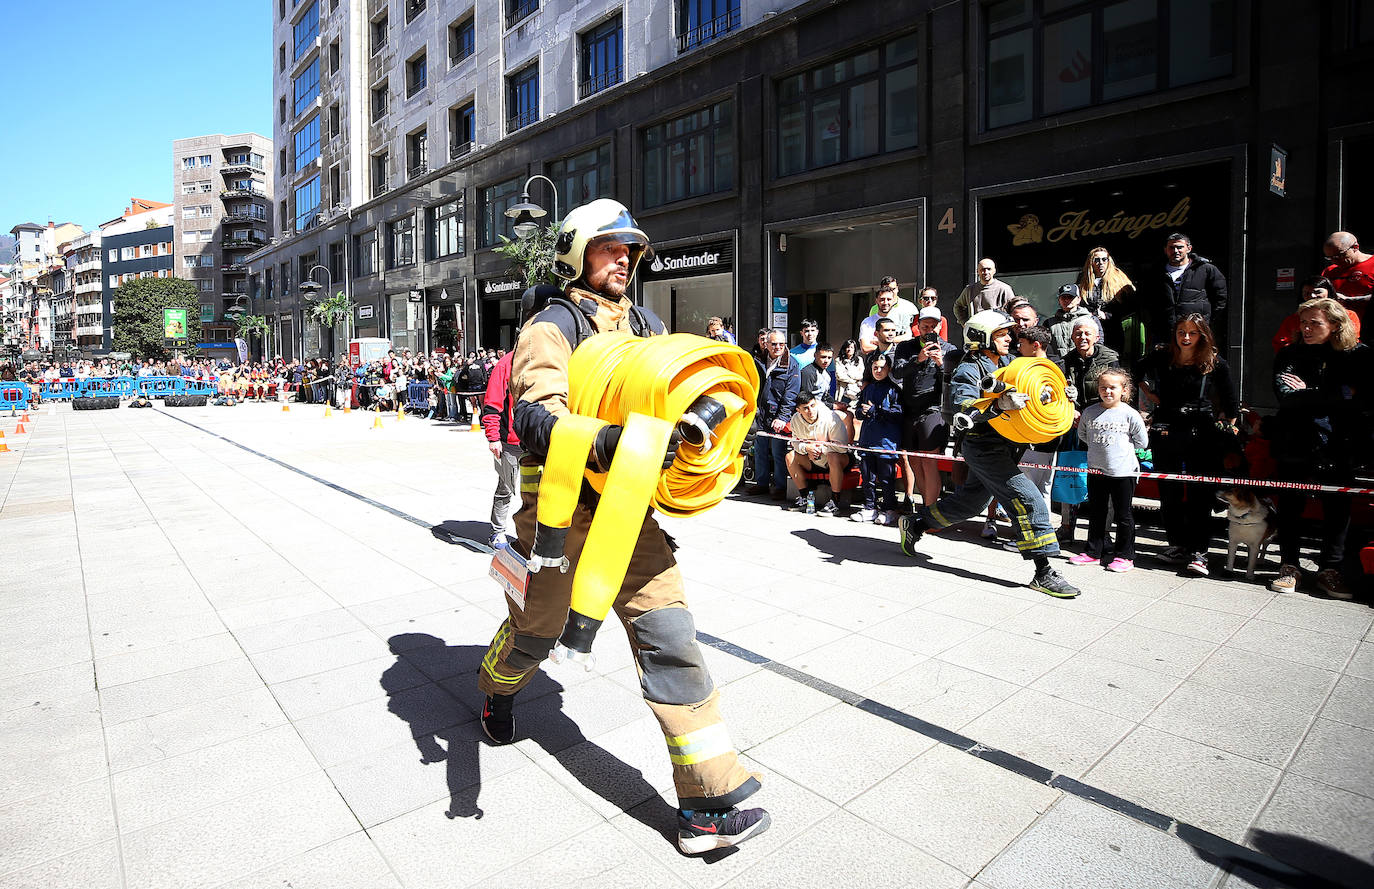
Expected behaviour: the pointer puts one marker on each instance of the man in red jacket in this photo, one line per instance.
(497, 422)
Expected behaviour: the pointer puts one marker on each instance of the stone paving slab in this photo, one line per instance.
(218, 671)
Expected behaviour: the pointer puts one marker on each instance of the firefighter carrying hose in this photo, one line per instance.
(992, 459)
(598, 248)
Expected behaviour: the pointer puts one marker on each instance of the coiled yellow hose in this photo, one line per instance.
(646, 385)
(1038, 421)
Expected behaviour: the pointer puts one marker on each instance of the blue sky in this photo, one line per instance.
(95, 92)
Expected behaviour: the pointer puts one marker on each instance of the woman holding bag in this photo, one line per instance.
(1191, 405)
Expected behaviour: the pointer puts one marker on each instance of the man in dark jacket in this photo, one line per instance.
(1189, 283)
(777, 400)
(922, 366)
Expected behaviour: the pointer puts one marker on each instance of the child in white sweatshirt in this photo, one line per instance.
(1113, 431)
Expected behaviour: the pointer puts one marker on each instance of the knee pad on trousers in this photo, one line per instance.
(672, 670)
(527, 652)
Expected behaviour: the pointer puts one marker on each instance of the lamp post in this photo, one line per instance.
(310, 287)
(526, 212)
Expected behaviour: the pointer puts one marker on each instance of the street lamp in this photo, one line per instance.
(526, 212)
(311, 288)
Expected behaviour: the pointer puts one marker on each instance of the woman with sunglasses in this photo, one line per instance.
(1110, 296)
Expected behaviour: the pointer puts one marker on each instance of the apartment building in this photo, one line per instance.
(28, 306)
(222, 200)
(140, 243)
(85, 326)
(785, 156)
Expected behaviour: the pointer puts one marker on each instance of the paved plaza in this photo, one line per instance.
(238, 649)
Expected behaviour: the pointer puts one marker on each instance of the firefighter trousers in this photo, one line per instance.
(672, 673)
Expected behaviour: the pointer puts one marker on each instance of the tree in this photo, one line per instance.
(249, 326)
(531, 256)
(138, 315)
(330, 311)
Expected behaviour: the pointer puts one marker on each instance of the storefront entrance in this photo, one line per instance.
(444, 317)
(405, 314)
(498, 313)
(688, 285)
(831, 274)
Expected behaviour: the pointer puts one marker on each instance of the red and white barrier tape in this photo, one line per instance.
(1159, 476)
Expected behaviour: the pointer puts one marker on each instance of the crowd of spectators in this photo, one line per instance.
(1156, 344)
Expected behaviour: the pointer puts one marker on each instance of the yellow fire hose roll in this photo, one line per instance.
(1039, 421)
(648, 386)
(569, 444)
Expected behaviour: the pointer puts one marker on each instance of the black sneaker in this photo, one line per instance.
(1052, 583)
(701, 831)
(911, 528)
(799, 504)
(829, 508)
(497, 719)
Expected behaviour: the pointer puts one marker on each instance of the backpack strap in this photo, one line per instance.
(572, 319)
(643, 322)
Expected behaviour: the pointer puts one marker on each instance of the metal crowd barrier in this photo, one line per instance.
(14, 395)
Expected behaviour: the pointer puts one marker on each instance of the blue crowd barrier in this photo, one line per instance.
(161, 387)
(14, 395)
(106, 386)
(59, 390)
(202, 387)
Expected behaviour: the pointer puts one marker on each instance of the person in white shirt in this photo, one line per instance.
(901, 312)
(819, 435)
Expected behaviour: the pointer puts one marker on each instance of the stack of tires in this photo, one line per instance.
(185, 401)
(95, 403)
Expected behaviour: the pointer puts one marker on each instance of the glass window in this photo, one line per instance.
(690, 156)
(522, 98)
(308, 204)
(400, 246)
(379, 102)
(379, 173)
(1066, 76)
(416, 74)
(519, 9)
(461, 41)
(701, 21)
(1057, 55)
(462, 129)
(336, 261)
(855, 107)
(306, 30)
(417, 154)
(583, 177)
(379, 32)
(1202, 39)
(365, 253)
(445, 224)
(334, 59)
(602, 58)
(495, 200)
(307, 144)
(307, 86)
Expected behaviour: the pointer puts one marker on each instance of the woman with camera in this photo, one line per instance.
(1321, 431)
(1192, 409)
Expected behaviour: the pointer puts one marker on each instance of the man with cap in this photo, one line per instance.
(1071, 308)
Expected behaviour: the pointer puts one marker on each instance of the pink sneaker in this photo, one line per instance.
(1082, 559)
(1121, 565)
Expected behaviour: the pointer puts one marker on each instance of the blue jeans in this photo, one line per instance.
(770, 462)
(993, 475)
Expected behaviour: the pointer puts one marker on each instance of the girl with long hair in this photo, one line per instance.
(1192, 409)
(1110, 295)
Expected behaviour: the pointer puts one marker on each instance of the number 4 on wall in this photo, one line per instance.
(947, 221)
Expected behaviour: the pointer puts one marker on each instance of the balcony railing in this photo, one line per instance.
(593, 85)
(521, 119)
(458, 149)
(89, 330)
(240, 240)
(90, 265)
(238, 216)
(417, 171)
(705, 33)
(238, 192)
(518, 9)
(235, 268)
(242, 168)
(88, 287)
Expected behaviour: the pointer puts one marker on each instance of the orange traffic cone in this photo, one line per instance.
(377, 423)
(286, 408)
(4, 448)
(328, 412)
(348, 408)
(19, 429)
(25, 418)
(476, 423)
(400, 415)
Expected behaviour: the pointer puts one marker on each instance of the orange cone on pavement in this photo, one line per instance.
(19, 429)
(286, 408)
(4, 448)
(328, 411)
(377, 423)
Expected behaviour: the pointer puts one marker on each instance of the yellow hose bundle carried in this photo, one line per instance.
(1039, 421)
(650, 386)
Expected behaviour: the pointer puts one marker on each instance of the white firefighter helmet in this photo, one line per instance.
(981, 328)
(602, 218)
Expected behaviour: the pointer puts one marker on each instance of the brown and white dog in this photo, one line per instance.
(1251, 521)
